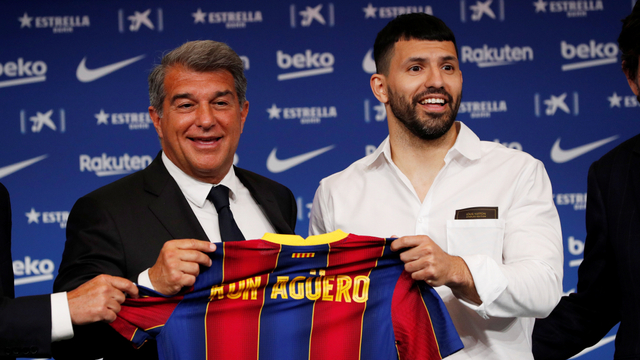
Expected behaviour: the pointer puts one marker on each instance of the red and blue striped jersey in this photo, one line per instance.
(332, 296)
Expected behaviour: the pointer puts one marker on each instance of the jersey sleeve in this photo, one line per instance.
(421, 322)
(142, 319)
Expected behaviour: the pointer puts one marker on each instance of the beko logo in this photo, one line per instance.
(28, 71)
(32, 270)
(112, 165)
(486, 56)
(589, 55)
(314, 63)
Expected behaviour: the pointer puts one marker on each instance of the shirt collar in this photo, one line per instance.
(197, 191)
(467, 145)
(383, 151)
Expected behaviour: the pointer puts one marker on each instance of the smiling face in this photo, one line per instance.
(423, 87)
(201, 122)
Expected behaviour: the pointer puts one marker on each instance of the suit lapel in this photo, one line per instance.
(170, 207)
(264, 197)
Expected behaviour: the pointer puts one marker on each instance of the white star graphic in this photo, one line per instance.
(199, 16)
(614, 100)
(274, 112)
(370, 11)
(540, 5)
(25, 20)
(33, 216)
(103, 118)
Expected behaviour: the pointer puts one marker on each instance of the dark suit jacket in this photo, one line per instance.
(609, 277)
(120, 228)
(25, 323)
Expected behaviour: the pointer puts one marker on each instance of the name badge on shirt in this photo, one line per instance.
(474, 213)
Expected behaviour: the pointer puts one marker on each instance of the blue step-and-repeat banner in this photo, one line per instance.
(540, 76)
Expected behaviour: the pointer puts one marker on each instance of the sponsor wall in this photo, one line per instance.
(541, 77)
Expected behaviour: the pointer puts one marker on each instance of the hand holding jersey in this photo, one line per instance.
(178, 264)
(425, 260)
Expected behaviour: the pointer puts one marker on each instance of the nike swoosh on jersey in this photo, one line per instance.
(10, 169)
(276, 165)
(560, 156)
(86, 75)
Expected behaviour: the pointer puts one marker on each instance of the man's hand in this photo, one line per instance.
(178, 264)
(99, 299)
(425, 260)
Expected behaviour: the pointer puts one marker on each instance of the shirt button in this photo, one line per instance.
(420, 220)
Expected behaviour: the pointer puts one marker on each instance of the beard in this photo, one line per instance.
(433, 125)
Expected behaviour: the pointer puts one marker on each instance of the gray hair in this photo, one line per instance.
(200, 56)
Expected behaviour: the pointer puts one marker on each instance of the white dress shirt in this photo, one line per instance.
(249, 216)
(515, 260)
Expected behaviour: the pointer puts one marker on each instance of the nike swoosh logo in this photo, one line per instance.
(10, 169)
(600, 343)
(276, 165)
(86, 75)
(561, 156)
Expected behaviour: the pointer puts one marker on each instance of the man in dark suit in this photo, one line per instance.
(155, 227)
(26, 323)
(609, 277)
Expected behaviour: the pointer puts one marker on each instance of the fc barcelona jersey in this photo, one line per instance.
(332, 296)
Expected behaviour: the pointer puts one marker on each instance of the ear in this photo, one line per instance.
(155, 117)
(379, 87)
(243, 114)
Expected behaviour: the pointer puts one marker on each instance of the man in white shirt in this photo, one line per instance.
(477, 220)
(155, 227)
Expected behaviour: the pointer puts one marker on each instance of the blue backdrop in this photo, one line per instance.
(542, 76)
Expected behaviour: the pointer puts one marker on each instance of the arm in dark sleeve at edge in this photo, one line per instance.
(581, 319)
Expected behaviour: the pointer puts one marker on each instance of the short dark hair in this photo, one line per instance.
(629, 42)
(200, 56)
(416, 26)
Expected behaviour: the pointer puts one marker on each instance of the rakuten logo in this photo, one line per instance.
(29, 71)
(33, 270)
(111, 165)
(314, 63)
(594, 54)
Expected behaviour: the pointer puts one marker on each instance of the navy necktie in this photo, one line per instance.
(229, 231)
